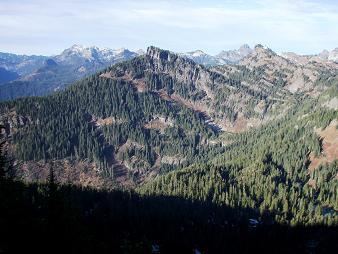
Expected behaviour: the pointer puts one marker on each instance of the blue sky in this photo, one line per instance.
(47, 27)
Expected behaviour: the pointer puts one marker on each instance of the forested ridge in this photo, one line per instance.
(184, 136)
(266, 170)
(61, 126)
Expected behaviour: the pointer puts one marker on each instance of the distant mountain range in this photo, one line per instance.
(236, 55)
(224, 57)
(40, 75)
(22, 75)
(324, 56)
(80, 55)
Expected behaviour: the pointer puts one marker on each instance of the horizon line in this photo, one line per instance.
(176, 52)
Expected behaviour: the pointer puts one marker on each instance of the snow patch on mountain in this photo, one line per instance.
(79, 53)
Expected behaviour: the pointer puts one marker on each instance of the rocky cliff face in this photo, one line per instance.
(183, 70)
(218, 93)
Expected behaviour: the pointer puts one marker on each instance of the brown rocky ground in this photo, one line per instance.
(68, 171)
(330, 146)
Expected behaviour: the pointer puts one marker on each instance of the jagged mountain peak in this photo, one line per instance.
(81, 54)
(81, 48)
(260, 49)
(78, 51)
(260, 55)
(78, 48)
(235, 55)
(245, 49)
(197, 53)
(258, 46)
(242, 48)
(324, 54)
(157, 53)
